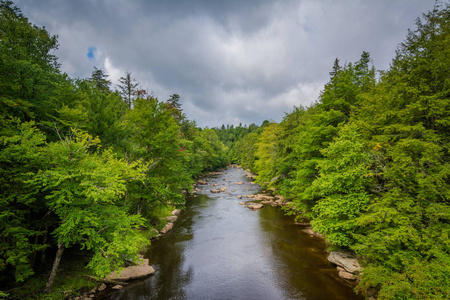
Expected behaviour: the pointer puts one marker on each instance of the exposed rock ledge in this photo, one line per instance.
(347, 264)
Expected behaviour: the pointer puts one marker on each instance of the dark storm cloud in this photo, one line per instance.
(231, 61)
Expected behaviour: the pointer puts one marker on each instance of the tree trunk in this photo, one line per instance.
(59, 253)
(36, 241)
(43, 243)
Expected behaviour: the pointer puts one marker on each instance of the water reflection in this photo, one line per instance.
(221, 250)
(300, 260)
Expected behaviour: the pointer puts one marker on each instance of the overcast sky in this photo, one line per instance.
(231, 62)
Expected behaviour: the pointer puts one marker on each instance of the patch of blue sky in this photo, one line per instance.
(91, 53)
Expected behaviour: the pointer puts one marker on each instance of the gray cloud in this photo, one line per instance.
(230, 61)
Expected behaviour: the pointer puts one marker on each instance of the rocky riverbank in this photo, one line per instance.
(346, 263)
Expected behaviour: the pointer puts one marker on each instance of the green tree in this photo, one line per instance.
(84, 190)
(408, 128)
(20, 158)
(267, 153)
(342, 187)
(155, 136)
(28, 69)
(175, 107)
(100, 80)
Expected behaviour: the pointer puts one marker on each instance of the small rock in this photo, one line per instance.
(176, 212)
(242, 203)
(347, 275)
(266, 202)
(263, 197)
(254, 206)
(239, 197)
(117, 287)
(240, 182)
(172, 219)
(102, 287)
(167, 228)
(310, 231)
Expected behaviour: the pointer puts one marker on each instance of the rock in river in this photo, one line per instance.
(171, 219)
(167, 228)
(345, 260)
(134, 272)
(255, 206)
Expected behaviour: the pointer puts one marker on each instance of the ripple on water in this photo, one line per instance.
(219, 249)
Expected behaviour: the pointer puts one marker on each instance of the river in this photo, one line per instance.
(219, 249)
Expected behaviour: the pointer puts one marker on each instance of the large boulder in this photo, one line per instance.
(133, 272)
(345, 260)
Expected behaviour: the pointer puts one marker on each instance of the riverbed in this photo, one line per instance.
(219, 249)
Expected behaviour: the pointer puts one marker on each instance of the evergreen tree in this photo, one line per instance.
(100, 80)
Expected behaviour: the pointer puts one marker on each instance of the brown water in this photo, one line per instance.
(219, 249)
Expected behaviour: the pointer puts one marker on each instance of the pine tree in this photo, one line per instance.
(100, 80)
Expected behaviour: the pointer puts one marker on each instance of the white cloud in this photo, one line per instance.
(113, 72)
(230, 61)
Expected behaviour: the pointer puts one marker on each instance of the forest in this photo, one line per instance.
(83, 166)
(369, 163)
(91, 168)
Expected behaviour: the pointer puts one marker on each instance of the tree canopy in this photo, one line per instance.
(368, 163)
(83, 166)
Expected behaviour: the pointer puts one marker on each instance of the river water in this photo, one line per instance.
(219, 249)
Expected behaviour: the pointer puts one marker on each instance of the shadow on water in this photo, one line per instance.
(219, 249)
(300, 260)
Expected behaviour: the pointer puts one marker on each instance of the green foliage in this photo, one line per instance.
(84, 190)
(369, 163)
(155, 139)
(342, 187)
(20, 158)
(100, 80)
(28, 67)
(61, 187)
(266, 153)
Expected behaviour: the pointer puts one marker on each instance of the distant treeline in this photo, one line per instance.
(82, 165)
(369, 163)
